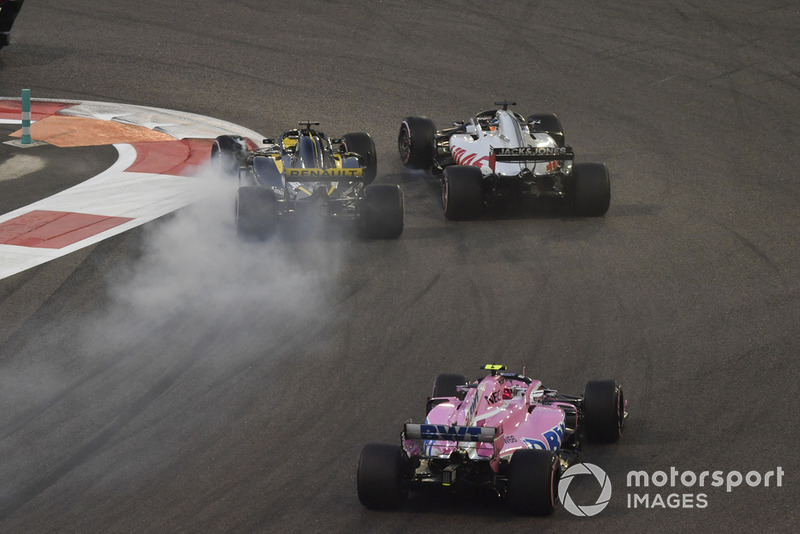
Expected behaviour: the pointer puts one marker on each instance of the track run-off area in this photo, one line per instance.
(160, 154)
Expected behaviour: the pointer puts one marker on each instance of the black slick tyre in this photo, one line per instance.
(256, 213)
(603, 411)
(532, 479)
(380, 479)
(415, 142)
(382, 211)
(227, 153)
(362, 144)
(445, 385)
(548, 123)
(462, 192)
(591, 189)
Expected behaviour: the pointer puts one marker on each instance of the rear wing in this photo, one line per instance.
(450, 433)
(325, 175)
(470, 434)
(531, 153)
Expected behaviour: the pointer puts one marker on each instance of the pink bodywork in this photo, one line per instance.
(507, 404)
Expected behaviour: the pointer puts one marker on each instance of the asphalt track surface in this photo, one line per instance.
(172, 379)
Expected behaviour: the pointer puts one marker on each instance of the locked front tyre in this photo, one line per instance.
(416, 142)
(228, 152)
(362, 144)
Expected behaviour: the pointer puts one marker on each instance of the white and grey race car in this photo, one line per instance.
(497, 157)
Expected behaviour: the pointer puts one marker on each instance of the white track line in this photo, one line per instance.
(142, 197)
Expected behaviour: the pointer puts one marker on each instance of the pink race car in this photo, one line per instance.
(505, 432)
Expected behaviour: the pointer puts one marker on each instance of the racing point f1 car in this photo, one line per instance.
(8, 12)
(505, 433)
(300, 173)
(497, 157)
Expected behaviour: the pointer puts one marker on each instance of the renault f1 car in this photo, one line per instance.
(300, 173)
(497, 157)
(8, 12)
(505, 433)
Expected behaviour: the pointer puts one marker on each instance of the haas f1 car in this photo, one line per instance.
(8, 12)
(300, 173)
(505, 433)
(497, 157)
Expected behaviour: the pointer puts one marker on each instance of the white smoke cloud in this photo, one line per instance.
(196, 273)
(20, 165)
(198, 306)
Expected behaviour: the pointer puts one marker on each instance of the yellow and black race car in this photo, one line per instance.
(8, 12)
(301, 173)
